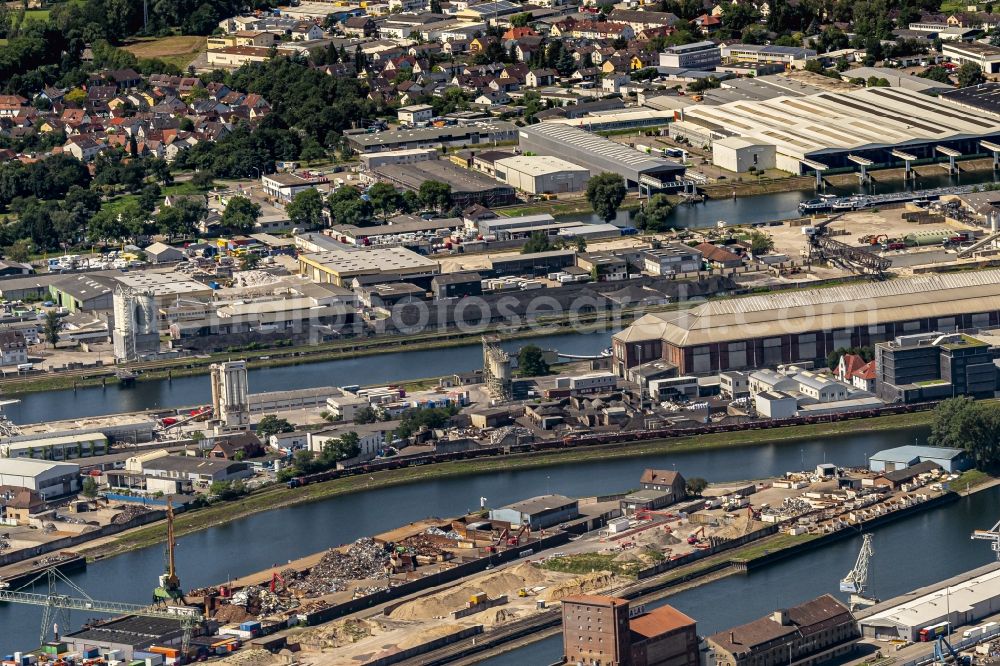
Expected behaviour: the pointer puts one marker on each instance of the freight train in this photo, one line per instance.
(594, 439)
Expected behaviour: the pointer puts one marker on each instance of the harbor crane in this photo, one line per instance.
(56, 604)
(856, 581)
(992, 534)
(168, 598)
(944, 653)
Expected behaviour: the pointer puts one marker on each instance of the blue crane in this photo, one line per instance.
(943, 650)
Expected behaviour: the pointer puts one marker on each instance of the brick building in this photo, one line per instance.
(606, 631)
(804, 635)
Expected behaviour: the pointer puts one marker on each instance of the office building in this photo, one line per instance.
(699, 55)
(932, 366)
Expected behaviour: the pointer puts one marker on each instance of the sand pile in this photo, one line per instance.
(578, 585)
(508, 582)
(336, 634)
(495, 616)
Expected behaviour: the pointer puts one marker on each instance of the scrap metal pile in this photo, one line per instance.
(419, 544)
(365, 559)
(128, 513)
(252, 601)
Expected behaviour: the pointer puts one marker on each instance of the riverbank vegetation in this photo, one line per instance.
(279, 496)
(970, 425)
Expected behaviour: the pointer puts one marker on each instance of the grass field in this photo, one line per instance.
(952, 6)
(36, 14)
(177, 50)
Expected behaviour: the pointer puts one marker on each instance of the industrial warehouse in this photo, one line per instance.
(766, 330)
(963, 600)
(600, 155)
(869, 127)
(467, 187)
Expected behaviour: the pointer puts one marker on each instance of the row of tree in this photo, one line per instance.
(972, 426)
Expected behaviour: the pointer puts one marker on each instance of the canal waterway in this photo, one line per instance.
(408, 365)
(784, 205)
(374, 369)
(909, 553)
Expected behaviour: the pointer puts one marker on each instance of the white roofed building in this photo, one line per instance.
(49, 479)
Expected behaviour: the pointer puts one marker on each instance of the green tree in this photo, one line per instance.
(653, 216)
(760, 243)
(272, 425)
(20, 250)
(415, 419)
(365, 415)
(228, 490)
(756, 34)
(696, 485)
(249, 261)
(970, 74)
(89, 488)
(833, 358)
(384, 198)
(538, 242)
(306, 209)
(182, 218)
(963, 423)
(52, 325)
(605, 192)
(435, 195)
(531, 362)
(346, 446)
(241, 214)
(936, 73)
(520, 20)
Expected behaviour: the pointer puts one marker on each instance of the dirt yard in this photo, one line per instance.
(177, 50)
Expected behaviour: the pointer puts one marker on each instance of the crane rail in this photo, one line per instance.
(110, 607)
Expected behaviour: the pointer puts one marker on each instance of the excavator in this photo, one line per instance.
(696, 536)
(516, 539)
(873, 239)
(275, 579)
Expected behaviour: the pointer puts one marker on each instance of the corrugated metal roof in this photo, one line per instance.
(833, 308)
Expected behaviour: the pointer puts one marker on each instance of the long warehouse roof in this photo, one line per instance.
(833, 122)
(961, 598)
(583, 143)
(833, 308)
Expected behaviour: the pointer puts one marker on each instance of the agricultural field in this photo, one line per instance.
(176, 50)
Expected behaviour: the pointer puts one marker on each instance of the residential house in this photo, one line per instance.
(847, 366)
(864, 377)
(668, 481)
(538, 78)
(718, 257)
(237, 446)
(306, 31)
(83, 147)
(360, 26)
(13, 348)
(707, 24)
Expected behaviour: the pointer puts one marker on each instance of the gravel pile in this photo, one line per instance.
(128, 513)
